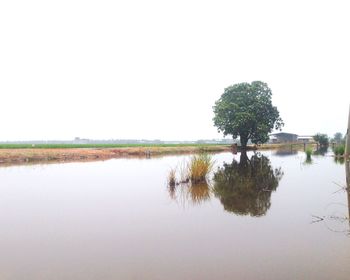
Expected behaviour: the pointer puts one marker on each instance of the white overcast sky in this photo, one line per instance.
(153, 69)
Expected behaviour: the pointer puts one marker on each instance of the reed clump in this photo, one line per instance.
(199, 167)
(308, 153)
(172, 177)
(194, 171)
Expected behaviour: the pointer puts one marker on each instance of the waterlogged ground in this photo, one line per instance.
(264, 216)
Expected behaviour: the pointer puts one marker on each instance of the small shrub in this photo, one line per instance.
(199, 167)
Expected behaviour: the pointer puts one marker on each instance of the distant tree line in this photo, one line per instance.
(323, 140)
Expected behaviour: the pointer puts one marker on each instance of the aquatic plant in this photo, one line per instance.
(199, 167)
(308, 153)
(191, 172)
(172, 177)
(184, 172)
(339, 150)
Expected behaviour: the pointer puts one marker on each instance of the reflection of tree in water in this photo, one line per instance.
(285, 152)
(245, 187)
(194, 194)
(321, 151)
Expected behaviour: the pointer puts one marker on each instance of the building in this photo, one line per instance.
(283, 137)
(305, 139)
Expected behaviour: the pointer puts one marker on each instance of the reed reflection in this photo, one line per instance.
(245, 187)
(188, 193)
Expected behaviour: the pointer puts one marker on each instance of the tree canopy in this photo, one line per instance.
(246, 110)
(322, 139)
(338, 137)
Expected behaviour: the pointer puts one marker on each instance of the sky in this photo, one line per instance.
(154, 69)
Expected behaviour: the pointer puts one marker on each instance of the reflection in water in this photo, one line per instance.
(336, 220)
(339, 160)
(193, 193)
(83, 224)
(245, 187)
(286, 152)
(321, 151)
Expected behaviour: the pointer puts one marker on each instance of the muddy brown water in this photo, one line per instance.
(264, 216)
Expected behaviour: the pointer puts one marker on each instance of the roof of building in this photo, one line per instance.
(283, 133)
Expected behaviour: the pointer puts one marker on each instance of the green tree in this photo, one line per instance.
(246, 110)
(338, 137)
(322, 139)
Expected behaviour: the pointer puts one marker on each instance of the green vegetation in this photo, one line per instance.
(72, 146)
(338, 138)
(308, 153)
(246, 110)
(339, 150)
(195, 171)
(199, 167)
(322, 139)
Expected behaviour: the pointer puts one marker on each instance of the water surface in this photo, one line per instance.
(259, 218)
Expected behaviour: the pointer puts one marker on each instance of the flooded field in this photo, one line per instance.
(269, 215)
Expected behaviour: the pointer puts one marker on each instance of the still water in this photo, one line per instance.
(269, 215)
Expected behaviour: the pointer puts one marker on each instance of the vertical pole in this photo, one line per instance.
(347, 147)
(347, 172)
(347, 163)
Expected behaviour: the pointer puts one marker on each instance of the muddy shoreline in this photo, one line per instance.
(41, 156)
(9, 157)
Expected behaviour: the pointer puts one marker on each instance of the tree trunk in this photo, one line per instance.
(244, 141)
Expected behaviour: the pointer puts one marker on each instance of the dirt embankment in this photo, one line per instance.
(23, 156)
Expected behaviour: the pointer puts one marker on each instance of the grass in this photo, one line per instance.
(195, 171)
(308, 153)
(339, 150)
(199, 167)
(70, 146)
